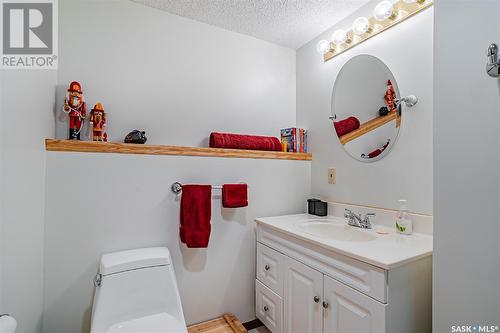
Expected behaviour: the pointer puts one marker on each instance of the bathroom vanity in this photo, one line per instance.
(321, 275)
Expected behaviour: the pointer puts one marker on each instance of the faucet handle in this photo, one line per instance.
(368, 215)
(367, 221)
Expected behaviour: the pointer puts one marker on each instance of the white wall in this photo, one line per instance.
(98, 203)
(1, 197)
(179, 80)
(27, 118)
(407, 171)
(466, 163)
(176, 78)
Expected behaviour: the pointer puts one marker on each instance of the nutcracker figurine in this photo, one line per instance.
(97, 123)
(74, 107)
(390, 96)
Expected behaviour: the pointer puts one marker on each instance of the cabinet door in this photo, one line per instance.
(302, 298)
(349, 311)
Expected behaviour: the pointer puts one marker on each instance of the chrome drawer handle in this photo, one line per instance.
(267, 267)
(266, 308)
(316, 299)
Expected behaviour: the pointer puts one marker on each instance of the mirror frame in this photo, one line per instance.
(332, 111)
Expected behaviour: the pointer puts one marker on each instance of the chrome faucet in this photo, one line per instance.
(355, 220)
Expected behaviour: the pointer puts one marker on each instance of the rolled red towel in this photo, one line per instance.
(234, 195)
(196, 206)
(347, 125)
(377, 151)
(240, 141)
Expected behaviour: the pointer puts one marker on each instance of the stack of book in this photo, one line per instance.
(294, 140)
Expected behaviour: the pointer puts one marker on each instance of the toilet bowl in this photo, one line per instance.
(136, 291)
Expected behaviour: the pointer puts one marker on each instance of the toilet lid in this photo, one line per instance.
(158, 323)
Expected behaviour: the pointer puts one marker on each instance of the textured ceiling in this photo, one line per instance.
(290, 23)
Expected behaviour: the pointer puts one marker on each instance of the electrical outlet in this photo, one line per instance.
(332, 176)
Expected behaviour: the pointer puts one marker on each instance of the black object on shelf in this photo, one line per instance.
(383, 111)
(136, 136)
(311, 205)
(317, 207)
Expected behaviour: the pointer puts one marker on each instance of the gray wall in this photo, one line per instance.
(466, 164)
(179, 80)
(27, 119)
(406, 173)
(176, 78)
(1, 197)
(99, 203)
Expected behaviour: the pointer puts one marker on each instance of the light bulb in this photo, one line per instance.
(323, 46)
(360, 26)
(339, 36)
(383, 10)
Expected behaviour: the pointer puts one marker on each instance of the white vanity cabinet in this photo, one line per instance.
(302, 298)
(347, 310)
(305, 288)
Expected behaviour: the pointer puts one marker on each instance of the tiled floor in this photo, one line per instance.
(261, 329)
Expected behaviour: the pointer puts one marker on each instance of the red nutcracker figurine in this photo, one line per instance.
(74, 107)
(390, 96)
(97, 122)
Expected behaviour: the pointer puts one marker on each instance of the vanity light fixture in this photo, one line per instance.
(385, 15)
(339, 37)
(383, 11)
(360, 26)
(323, 46)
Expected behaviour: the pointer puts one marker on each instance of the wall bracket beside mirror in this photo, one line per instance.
(493, 65)
(367, 110)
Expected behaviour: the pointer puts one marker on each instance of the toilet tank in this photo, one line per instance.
(135, 284)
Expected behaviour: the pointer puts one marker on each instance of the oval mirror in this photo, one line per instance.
(364, 112)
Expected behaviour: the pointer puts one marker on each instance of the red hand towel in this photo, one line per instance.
(239, 141)
(345, 126)
(378, 151)
(234, 195)
(375, 153)
(196, 205)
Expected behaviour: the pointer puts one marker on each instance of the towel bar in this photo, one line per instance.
(177, 187)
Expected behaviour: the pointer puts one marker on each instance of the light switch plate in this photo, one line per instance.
(332, 176)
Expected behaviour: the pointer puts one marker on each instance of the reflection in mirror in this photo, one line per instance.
(365, 108)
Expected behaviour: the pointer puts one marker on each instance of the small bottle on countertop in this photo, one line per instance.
(404, 224)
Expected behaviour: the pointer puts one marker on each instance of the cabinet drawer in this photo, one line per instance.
(268, 307)
(368, 279)
(270, 268)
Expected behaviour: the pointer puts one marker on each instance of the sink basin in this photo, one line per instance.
(336, 231)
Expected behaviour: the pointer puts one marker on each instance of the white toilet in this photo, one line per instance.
(136, 291)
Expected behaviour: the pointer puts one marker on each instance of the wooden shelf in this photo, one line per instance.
(127, 148)
(370, 126)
